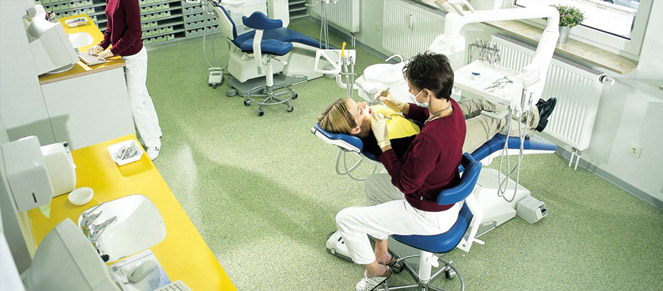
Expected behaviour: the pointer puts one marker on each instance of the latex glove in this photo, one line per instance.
(379, 128)
(105, 54)
(95, 49)
(391, 102)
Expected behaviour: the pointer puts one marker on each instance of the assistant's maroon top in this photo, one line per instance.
(123, 29)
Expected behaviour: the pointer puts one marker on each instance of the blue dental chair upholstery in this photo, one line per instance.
(354, 144)
(497, 143)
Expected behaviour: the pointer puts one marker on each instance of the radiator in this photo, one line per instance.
(343, 15)
(408, 29)
(577, 89)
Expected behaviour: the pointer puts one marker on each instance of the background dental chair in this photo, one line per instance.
(267, 50)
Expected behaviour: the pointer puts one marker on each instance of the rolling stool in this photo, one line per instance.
(444, 242)
(267, 94)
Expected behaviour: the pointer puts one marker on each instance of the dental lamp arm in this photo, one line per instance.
(454, 6)
(452, 43)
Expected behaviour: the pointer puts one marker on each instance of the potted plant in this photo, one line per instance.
(569, 17)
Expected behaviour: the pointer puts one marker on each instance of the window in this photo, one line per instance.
(616, 25)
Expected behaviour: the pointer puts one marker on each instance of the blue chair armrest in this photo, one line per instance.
(259, 20)
(467, 182)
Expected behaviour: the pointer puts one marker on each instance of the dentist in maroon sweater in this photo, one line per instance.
(123, 32)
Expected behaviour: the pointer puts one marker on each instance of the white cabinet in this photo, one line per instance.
(89, 109)
(409, 29)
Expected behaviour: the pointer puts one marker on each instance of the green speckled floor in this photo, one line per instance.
(263, 193)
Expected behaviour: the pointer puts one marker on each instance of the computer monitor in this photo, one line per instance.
(65, 261)
(50, 47)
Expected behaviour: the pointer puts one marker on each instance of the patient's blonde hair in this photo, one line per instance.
(336, 117)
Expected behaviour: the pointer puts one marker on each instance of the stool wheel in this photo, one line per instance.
(450, 274)
(290, 108)
(247, 102)
(261, 113)
(294, 96)
(231, 92)
(397, 268)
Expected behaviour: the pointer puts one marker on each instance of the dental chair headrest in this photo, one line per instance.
(345, 141)
(259, 20)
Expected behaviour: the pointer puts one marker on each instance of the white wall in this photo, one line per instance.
(22, 105)
(15, 225)
(21, 109)
(631, 111)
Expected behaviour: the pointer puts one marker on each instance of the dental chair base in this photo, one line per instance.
(268, 95)
(243, 88)
(496, 209)
(297, 64)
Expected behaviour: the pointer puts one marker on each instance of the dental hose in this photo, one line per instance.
(206, 11)
(522, 132)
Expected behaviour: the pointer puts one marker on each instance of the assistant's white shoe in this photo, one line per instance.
(153, 152)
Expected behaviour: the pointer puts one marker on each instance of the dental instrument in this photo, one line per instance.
(385, 92)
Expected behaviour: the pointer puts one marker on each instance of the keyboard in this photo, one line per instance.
(89, 59)
(175, 286)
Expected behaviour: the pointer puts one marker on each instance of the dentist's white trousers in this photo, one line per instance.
(145, 116)
(389, 214)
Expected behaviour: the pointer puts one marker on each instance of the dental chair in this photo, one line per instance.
(267, 50)
(347, 143)
(499, 196)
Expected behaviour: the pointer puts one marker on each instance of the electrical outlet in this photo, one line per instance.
(377, 27)
(634, 150)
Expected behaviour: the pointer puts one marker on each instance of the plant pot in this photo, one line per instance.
(564, 32)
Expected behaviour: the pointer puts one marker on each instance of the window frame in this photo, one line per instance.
(629, 48)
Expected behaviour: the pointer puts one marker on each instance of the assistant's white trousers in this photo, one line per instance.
(142, 108)
(388, 213)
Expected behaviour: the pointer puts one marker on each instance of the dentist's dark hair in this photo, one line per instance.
(431, 71)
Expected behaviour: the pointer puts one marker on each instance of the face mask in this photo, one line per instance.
(414, 99)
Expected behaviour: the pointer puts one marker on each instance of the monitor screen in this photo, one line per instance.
(49, 45)
(66, 260)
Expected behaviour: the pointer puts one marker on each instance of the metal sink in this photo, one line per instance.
(80, 39)
(138, 227)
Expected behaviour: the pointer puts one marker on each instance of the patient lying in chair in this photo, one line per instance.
(347, 116)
